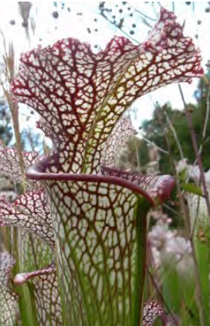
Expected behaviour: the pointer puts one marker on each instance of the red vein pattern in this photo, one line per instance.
(96, 230)
(30, 212)
(97, 249)
(151, 311)
(159, 187)
(46, 293)
(81, 95)
(35, 264)
(120, 135)
(10, 167)
(8, 298)
(47, 299)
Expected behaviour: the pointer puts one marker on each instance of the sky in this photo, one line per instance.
(84, 15)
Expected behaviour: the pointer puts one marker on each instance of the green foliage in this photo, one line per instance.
(159, 131)
(191, 188)
(203, 258)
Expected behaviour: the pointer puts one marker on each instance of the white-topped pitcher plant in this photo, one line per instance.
(89, 215)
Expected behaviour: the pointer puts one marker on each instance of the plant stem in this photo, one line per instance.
(15, 120)
(175, 136)
(196, 150)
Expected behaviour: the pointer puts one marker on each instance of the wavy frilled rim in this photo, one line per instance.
(116, 177)
(81, 96)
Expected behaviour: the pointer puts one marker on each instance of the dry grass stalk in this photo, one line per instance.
(8, 74)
